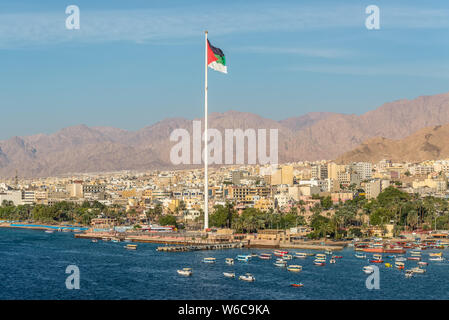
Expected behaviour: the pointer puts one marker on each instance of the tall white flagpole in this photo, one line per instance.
(206, 181)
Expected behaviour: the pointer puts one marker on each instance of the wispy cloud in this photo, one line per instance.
(417, 70)
(141, 26)
(308, 52)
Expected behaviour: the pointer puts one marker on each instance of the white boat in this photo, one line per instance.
(368, 269)
(247, 277)
(94, 240)
(229, 274)
(265, 256)
(300, 255)
(131, 247)
(436, 259)
(229, 261)
(328, 252)
(185, 272)
(360, 256)
(294, 268)
(280, 263)
(209, 260)
(243, 258)
(408, 273)
(400, 259)
(287, 257)
(399, 265)
(332, 260)
(418, 270)
(49, 231)
(423, 263)
(320, 256)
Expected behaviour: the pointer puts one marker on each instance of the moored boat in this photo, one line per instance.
(185, 272)
(423, 263)
(414, 258)
(297, 285)
(229, 274)
(436, 259)
(265, 256)
(244, 258)
(332, 260)
(131, 247)
(319, 262)
(209, 260)
(368, 269)
(399, 265)
(247, 277)
(287, 257)
(294, 268)
(418, 270)
(300, 255)
(280, 263)
(408, 273)
(360, 256)
(229, 261)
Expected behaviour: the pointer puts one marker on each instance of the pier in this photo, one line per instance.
(221, 246)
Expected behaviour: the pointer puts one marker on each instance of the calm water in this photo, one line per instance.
(33, 263)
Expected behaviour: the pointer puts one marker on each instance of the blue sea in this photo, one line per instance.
(33, 265)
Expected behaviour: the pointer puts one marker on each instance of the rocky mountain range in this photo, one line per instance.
(425, 144)
(313, 136)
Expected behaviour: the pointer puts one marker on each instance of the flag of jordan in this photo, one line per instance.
(216, 58)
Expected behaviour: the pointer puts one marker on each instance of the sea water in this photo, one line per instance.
(33, 266)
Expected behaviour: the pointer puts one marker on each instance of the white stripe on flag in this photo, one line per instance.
(218, 67)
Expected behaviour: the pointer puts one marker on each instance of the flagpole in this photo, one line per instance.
(206, 181)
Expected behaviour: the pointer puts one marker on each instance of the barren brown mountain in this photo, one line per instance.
(314, 136)
(426, 144)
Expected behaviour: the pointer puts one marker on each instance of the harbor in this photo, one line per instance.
(109, 271)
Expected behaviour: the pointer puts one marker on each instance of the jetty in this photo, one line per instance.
(201, 247)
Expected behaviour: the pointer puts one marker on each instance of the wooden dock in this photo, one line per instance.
(211, 246)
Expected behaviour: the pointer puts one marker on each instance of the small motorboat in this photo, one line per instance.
(49, 231)
(376, 261)
(247, 277)
(399, 265)
(388, 265)
(229, 261)
(423, 263)
(436, 259)
(209, 260)
(279, 253)
(294, 268)
(439, 254)
(320, 256)
(360, 256)
(319, 262)
(400, 259)
(391, 256)
(337, 257)
(300, 255)
(185, 272)
(328, 252)
(368, 269)
(229, 274)
(131, 247)
(418, 270)
(414, 258)
(280, 263)
(253, 255)
(265, 256)
(244, 258)
(94, 240)
(408, 273)
(287, 257)
(332, 260)
(296, 285)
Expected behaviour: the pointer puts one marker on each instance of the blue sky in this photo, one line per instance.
(133, 63)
